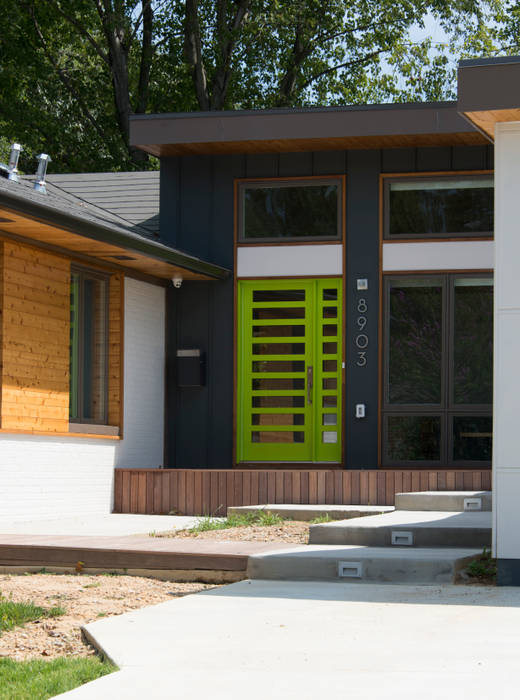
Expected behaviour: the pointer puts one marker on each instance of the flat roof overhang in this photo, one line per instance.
(30, 221)
(331, 128)
(488, 92)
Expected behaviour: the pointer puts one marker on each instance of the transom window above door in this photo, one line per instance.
(297, 209)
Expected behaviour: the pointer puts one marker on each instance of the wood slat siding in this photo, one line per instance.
(211, 491)
(35, 290)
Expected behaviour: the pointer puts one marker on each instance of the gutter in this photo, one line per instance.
(108, 234)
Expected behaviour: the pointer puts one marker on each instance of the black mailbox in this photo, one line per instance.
(190, 368)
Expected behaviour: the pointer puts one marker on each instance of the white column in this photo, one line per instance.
(506, 430)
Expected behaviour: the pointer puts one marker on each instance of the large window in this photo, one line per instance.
(289, 209)
(88, 347)
(438, 207)
(438, 370)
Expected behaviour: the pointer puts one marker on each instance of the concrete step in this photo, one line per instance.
(458, 501)
(408, 528)
(353, 564)
(310, 512)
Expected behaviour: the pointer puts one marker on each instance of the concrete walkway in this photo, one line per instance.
(263, 639)
(114, 524)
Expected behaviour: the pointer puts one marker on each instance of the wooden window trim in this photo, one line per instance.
(243, 183)
(387, 178)
(84, 272)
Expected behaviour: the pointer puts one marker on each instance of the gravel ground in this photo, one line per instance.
(85, 599)
(289, 532)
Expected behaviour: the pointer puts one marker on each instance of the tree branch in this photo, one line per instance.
(63, 75)
(193, 53)
(147, 53)
(82, 31)
(331, 69)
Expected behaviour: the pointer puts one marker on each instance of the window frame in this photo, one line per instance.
(447, 409)
(389, 179)
(87, 272)
(274, 183)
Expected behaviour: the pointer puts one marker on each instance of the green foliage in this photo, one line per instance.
(40, 679)
(484, 567)
(74, 71)
(261, 518)
(14, 614)
(325, 518)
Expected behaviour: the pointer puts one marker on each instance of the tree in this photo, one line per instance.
(74, 71)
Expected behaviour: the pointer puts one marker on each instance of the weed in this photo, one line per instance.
(485, 567)
(102, 614)
(325, 518)
(13, 614)
(262, 518)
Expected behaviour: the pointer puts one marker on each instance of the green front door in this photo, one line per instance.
(289, 371)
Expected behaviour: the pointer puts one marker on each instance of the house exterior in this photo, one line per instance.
(82, 339)
(328, 336)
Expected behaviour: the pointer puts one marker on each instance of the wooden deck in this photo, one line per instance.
(127, 553)
(211, 491)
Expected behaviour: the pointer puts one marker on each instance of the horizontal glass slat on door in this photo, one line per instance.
(270, 332)
(278, 295)
(283, 313)
(330, 312)
(278, 419)
(276, 358)
(289, 322)
(277, 436)
(278, 402)
(268, 367)
(329, 330)
(289, 410)
(279, 305)
(279, 392)
(272, 349)
(277, 383)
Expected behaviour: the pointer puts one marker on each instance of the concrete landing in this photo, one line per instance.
(457, 501)
(302, 641)
(309, 512)
(402, 528)
(354, 564)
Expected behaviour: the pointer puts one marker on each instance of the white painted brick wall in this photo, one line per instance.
(60, 477)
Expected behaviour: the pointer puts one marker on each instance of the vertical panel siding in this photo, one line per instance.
(211, 491)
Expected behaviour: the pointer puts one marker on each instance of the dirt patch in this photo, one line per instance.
(85, 599)
(290, 532)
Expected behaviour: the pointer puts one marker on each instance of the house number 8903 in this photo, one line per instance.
(361, 339)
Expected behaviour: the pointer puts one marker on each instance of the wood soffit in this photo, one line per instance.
(485, 120)
(34, 231)
(469, 138)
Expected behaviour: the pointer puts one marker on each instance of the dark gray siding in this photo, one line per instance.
(197, 217)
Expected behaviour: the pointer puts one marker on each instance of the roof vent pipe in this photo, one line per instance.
(13, 162)
(39, 183)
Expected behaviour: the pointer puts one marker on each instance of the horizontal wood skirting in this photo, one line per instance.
(211, 491)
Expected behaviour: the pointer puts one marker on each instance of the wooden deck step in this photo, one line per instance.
(119, 553)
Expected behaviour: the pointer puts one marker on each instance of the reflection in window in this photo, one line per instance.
(292, 209)
(444, 206)
(438, 353)
(473, 341)
(88, 347)
(414, 438)
(415, 341)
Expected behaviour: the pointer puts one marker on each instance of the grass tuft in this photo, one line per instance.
(38, 679)
(321, 519)
(262, 518)
(13, 614)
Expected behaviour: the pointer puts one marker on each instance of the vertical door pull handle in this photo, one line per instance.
(310, 382)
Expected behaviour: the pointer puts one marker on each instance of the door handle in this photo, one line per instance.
(310, 382)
